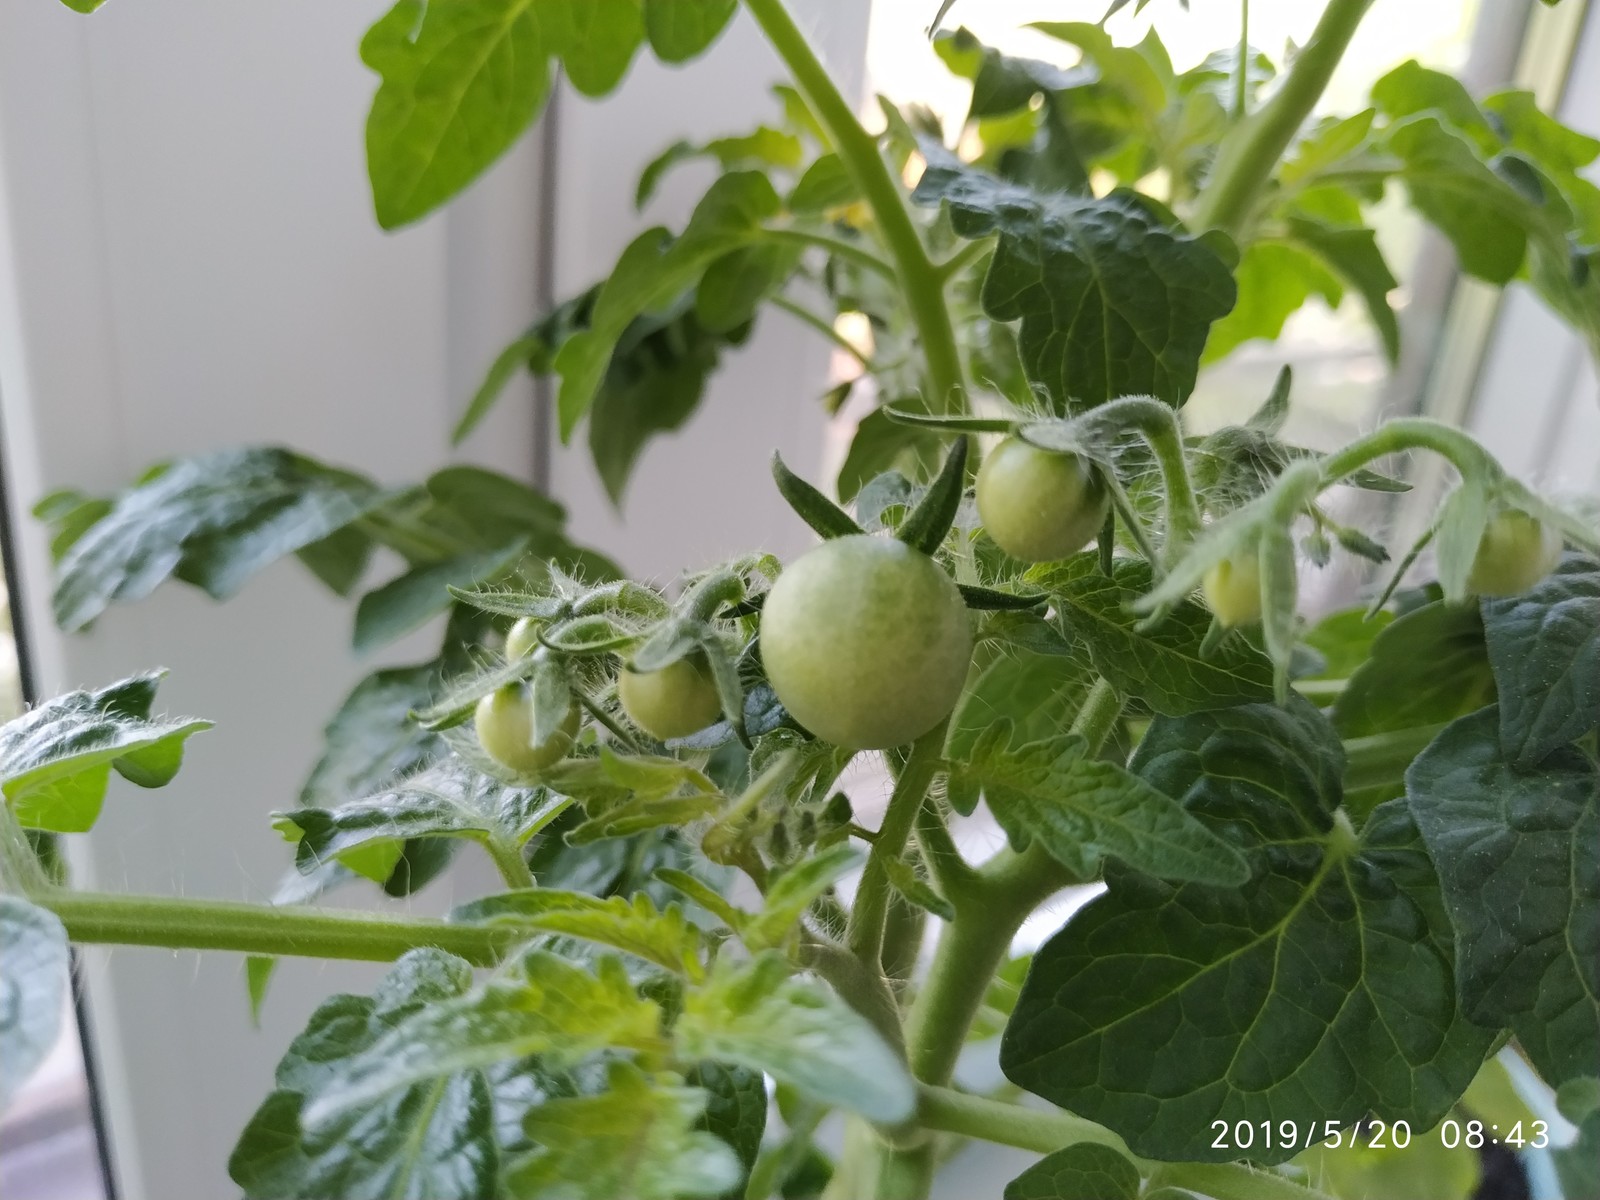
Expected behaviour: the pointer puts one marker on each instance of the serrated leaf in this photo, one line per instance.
(435, 1138)
(1038, 692)
(1081, 810)
(753, 1014)
(1544, 649)
(33, 989)
(212, 520)
(792, 894)
(541, 1005)
(410, 600)
(1112, 302)
(56, 759)
(1163, 667)
(1083, 1172)
(1320, 990)
(1515, 855)
(638, 1138)
(636, 925)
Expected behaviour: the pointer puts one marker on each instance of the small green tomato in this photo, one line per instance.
(1516, 551)
(1038, 505)
(673, 702)
(1233, 590)
(504, 723)
(523, 639)
(866, 641)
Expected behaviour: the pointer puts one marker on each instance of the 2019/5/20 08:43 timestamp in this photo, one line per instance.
(1373, 1134)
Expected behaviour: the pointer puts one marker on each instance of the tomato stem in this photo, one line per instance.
(920, 282)
(1157, 423)
(508, 860)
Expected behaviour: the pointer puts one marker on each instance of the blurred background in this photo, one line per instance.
(188, 261)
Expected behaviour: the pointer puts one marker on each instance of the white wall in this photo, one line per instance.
(188, 261)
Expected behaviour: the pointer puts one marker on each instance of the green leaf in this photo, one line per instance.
(33, 990)
(213, 521)
(371, 738)
(56, 759)
(636, 925)
(683, 29)
(809, 504)
(1112, 302)
(1353, 254)
(652, 272)
(601, 41)
(70, 514)
(735, 285)
(736, 1111)
(1001, 83)
(1164, 667)
(534, 350)
(1084, 1172)
(1081, 810)
(258, 971)
(340, 559)
(1359, 1170)
(1344, 639)
(792, 894)
(915, 890)
(459, 84)
(448, 800)
(1544, 649)
(1038, 692)
(1320, 990)
(882, 444)
(754, 1015)
(434, 1138)
(1515, 854)
(83, 6)
(639, 1138)
(825, 184)
(1274, 279)
(542, 1005)
(928, 524)
(404, 603)
(1411, 88)
(762, 147)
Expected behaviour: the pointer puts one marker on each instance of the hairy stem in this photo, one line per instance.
(920, 281)
(1157, 423)
(185, 924)
(1248, 155)
(803, 314)
(508, 860)
(871, 907)
(1040, 1130)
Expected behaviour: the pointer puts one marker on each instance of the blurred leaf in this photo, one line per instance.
(660, 936)
(1274, 280)
(33, 990)
(682, 29)
(1077, 1173)
(736, 1111)
(762, 147)
(410, 600)
(371, 738)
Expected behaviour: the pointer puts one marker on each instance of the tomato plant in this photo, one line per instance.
(1342, 870)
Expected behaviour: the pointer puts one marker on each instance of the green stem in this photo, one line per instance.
(1241, 79)
(801, 313)
(186, 924)
(963, 258)
(837, 246)
(951, 873)
(1157, 423)
(920, 283)
(1249, 154)
(1043, 1131)
(508, 859)
(1411, 433)
(871, 907)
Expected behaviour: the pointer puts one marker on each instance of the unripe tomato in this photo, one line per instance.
(523, 639)
(1037, 505)
(504, 722)
(866, 641)
(1516, 551)
(1232, 588)
(673, 702)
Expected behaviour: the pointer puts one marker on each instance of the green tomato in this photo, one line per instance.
(673, 702)
(866, 641)
(523, 639)
(1516, 551)
(1038, 505)
(1233, 590)
(504, 722)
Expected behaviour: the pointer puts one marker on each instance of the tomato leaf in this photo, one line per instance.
(1274, 279)
(736, 1111)
(754, 1015)
(1112, 302)
(33, 990)
(810, 505)
(1322, 989)
(1077, 1173)
(928, 524)
(1164, 667)
(660, 936)
(371, 738)
(410, 600)
(1544, 649)
(1081, 810)
(683, 29)
(213, 521)
(1515, 854)
(56, 759)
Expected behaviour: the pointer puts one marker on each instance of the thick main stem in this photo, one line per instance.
(1249, 154)
(185, 924)
(920, 282)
